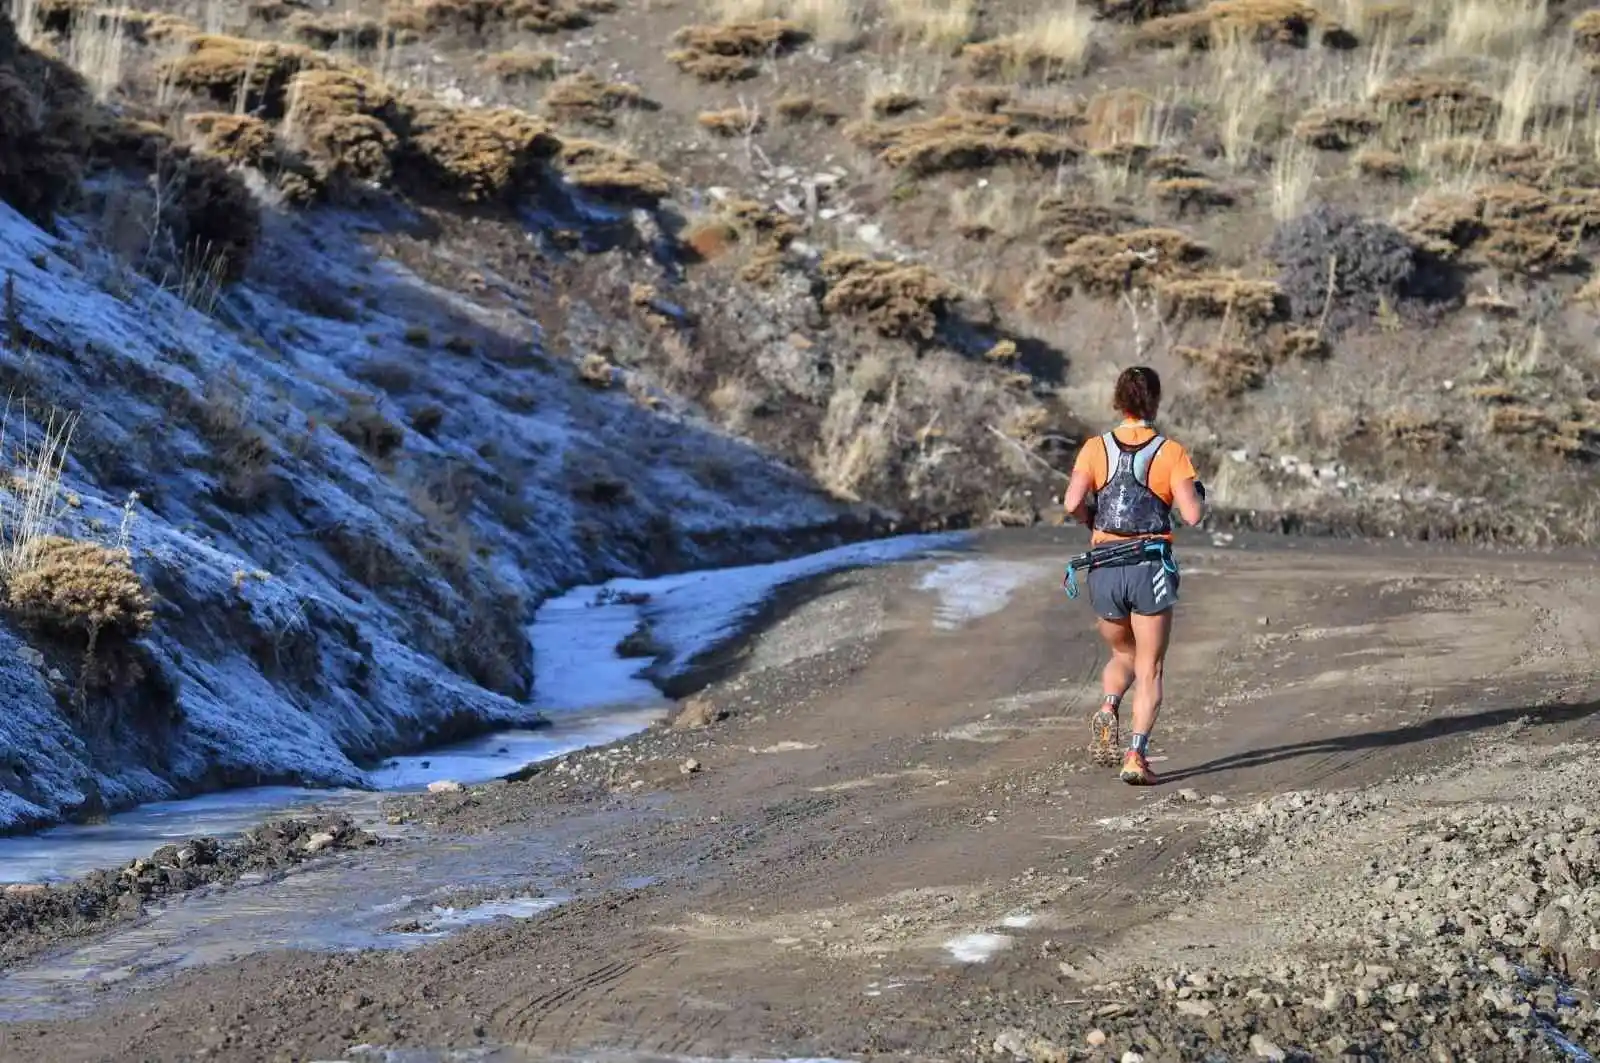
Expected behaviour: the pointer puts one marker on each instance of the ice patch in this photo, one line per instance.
(977, 948)
(1018, 921)
(448, 920)
(970, 590)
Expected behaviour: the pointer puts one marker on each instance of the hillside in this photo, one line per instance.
(398, 316)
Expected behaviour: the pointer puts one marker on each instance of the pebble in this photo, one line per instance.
(1266, 1049)
(444, 786)
(1095, 1038)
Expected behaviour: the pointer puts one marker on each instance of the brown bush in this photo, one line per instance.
(1528, 163)
(1305, 344)
(1220, 295)
(1380, 164)
(733, 122)
(473, 155)
(1420, 105)
(79, 591)
(1138, 10)
(1336, 128)
(482, 17)
(901, 301)
(1411, 430)
(342, 119)
(1106, 266)
(743, 221)
(326, 32)
(585, 98)
(235, 139)
(960, 142)
(216, 221)
(1231, 369)
(231, 70)
(1284, 21)
(365, 427)
(980, 99)
(1116, 116)
(728, 52)
(1586, 31)
(893, 103)
(1062, 221)
(1512, 227)
(801, 108)
(520, 66)
(1190, 193)
(610, 174)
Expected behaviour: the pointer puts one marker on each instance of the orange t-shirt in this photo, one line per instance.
(1171, 463)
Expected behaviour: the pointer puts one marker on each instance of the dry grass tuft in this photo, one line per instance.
(1057, 43)
(961, 142)
(1062, 221)
(1415, 107)
(328, 32)
(475, 156)
(1337, 128)
(480, 18)
(1381, 164)
(1187, 194)
(612, 174)
(1221, 295)
(43, 134)
(935, 25)
(804, 108)
(236, 139)
(1230, 21)
(242, 74)
(733, 122)
(899, 301)
(893, 103)
(587, 99)
(342, 120)
(729, 52)
(521, 66)
(1511, 227)
(1586, 31)
(80, 591)
(1107, 266)
(1230, 369)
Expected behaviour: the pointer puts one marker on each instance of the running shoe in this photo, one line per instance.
(1136, 770)
(1106, 738)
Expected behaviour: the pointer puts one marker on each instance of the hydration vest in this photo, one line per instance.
(1126, 505)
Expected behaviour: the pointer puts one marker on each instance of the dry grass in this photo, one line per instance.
(1222, 295)
(1493, 27)
(901, 301)
(936, 25)
(475, 156)
(521, 66)
(1228, 22)
(611, 174)
(32, 501)
(1108, 265)
(80, 591)
(831, 22)
(730, 52)
(587, 99)
(733, 122)
(1511, 227)
(1054, 44)
(241, 74)
(961, 142)
(1294, 172)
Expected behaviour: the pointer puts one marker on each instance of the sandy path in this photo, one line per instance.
(902, 770)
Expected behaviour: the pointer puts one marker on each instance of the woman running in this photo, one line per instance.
(1126, 484)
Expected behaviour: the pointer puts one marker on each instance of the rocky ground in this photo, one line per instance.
(878, 837)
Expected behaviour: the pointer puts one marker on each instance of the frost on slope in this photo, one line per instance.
(322, 606)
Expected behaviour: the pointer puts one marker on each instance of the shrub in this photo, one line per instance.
(903, 301)
(327, 32)
(733, 122)
(1284, 21)
(960, 141)
(235, 139)
(1106, 266)
(582, 97)
(1420, 106)
(1586, 31)
(80, 591)
(479, 17)
(1230, 369)
(520, 66)
(1186, 193)
(474, 156)
(1336, 128)
(1220, 295)
(614, 175)
(342, 120)
(233, 71)
(729, 52)
(802, 108)
(366, 428)
(43, 135)
(1062, 221)
(1371, 262)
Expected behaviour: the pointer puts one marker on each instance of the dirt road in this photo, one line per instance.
(1375, 808)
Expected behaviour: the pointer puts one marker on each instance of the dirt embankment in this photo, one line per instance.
(881, 838)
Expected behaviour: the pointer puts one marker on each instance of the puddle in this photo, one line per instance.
(971, 590)
(354, 901)
(977, 948)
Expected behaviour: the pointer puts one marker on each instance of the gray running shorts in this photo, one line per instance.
(1146, 588)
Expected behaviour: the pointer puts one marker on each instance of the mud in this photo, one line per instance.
(880, 835)
(34, 918)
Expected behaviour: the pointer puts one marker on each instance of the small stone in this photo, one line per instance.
(1130, 1056)
(689, 767)
(444, 786)
(319, 841)
(1191, 796)
(1197, 1008)
(24, 889)
(1095, 1038)
(1266, 1049)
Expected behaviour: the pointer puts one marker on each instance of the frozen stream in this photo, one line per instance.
(590, 695)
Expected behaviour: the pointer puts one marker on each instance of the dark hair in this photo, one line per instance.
(1138, 392)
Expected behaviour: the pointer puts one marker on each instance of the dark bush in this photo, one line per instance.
(1373, 263)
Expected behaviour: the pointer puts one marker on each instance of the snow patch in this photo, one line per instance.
(970, 590)
(977, 948)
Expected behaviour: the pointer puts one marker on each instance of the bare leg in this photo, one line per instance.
(1114, 682)
(1150, 634)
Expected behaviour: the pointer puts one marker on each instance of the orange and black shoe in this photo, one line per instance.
(1136, 769)
(1105, 738)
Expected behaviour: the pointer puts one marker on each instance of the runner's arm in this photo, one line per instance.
(1186, 499)
(1076, 502)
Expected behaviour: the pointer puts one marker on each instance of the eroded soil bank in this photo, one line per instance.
(880, 836)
